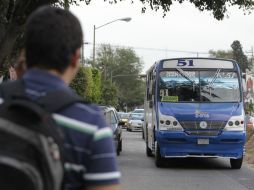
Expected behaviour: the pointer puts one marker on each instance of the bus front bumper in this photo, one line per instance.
(179, 144)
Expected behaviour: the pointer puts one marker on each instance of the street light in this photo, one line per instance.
(126, 19)
(82, 53)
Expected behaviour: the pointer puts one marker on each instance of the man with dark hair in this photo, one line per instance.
(53, 38)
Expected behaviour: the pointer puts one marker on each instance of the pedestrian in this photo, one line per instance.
(53, 38)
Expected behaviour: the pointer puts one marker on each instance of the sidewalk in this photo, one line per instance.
(249, 156)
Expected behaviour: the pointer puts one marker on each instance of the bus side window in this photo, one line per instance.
(149, 87)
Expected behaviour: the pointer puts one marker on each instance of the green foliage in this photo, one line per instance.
(236, 54)
(14, 13)
(239, 56)
(250, 107)
(109, 94)
(83, 83)
(89, 84)
(96, 97)
(217, 7)
(105, 60)
(122, 67)
(78, 84)
(222, 54)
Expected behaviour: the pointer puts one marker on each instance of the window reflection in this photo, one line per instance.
(196, 86)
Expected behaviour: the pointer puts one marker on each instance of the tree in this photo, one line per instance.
(14, 13)
(222, 54)
(105, 60)
(83, 83)
(217, 7)
(109, 94)
(239, 56)
(122, 67)
(96, 75)
(236, 54)
(126, 77)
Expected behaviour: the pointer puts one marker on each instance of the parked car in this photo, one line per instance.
(113, 120)
(141, 112)
(124, 118)
(135, 122)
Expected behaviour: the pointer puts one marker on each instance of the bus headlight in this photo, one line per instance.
(169, 123)
(235, 123)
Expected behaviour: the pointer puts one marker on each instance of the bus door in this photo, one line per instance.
(151, 110)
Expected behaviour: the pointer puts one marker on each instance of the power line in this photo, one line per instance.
(158, 49)
(249, 53)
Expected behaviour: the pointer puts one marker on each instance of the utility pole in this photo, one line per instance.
(127, 19)
(94, 28)
(82, 54)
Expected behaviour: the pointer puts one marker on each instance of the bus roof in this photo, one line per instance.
(195, 63)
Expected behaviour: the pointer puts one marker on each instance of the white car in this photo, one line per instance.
(140, 111)
(135, 122)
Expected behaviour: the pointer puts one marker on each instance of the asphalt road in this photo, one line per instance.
(140, 173)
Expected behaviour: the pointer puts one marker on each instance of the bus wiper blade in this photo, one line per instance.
(214, 78)
(186, 76)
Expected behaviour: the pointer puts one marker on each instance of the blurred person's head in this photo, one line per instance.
(53, 38)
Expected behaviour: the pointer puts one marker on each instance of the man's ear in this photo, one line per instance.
(75, 58)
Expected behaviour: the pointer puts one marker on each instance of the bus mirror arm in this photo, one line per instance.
(150, 104)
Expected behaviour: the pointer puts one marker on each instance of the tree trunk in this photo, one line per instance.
(12, 20)
(8, 42)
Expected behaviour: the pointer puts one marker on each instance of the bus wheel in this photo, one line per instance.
(159, 161)
(236, 163)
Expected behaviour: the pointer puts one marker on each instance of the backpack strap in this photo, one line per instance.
(12, 90)
(56, 100)
(52, 101)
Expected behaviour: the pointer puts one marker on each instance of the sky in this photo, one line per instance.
(182, 33)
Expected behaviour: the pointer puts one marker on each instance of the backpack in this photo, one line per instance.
(31, 144)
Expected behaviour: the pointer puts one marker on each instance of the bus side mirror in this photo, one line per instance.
(150, 104)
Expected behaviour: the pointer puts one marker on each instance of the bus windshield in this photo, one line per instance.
(199, 86)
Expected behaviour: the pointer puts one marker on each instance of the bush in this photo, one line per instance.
(96, 97)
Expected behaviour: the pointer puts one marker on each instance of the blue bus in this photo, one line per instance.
(194, 108)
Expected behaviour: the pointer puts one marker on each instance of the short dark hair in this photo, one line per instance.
(52, 36)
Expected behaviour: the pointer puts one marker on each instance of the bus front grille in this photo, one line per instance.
(213, 128)
(203, 133)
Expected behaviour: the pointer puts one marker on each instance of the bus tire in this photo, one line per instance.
(159, 160)
(236, 163)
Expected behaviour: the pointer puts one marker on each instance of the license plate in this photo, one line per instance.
(203, 141)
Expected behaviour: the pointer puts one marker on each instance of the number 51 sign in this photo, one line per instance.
(183, 63)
